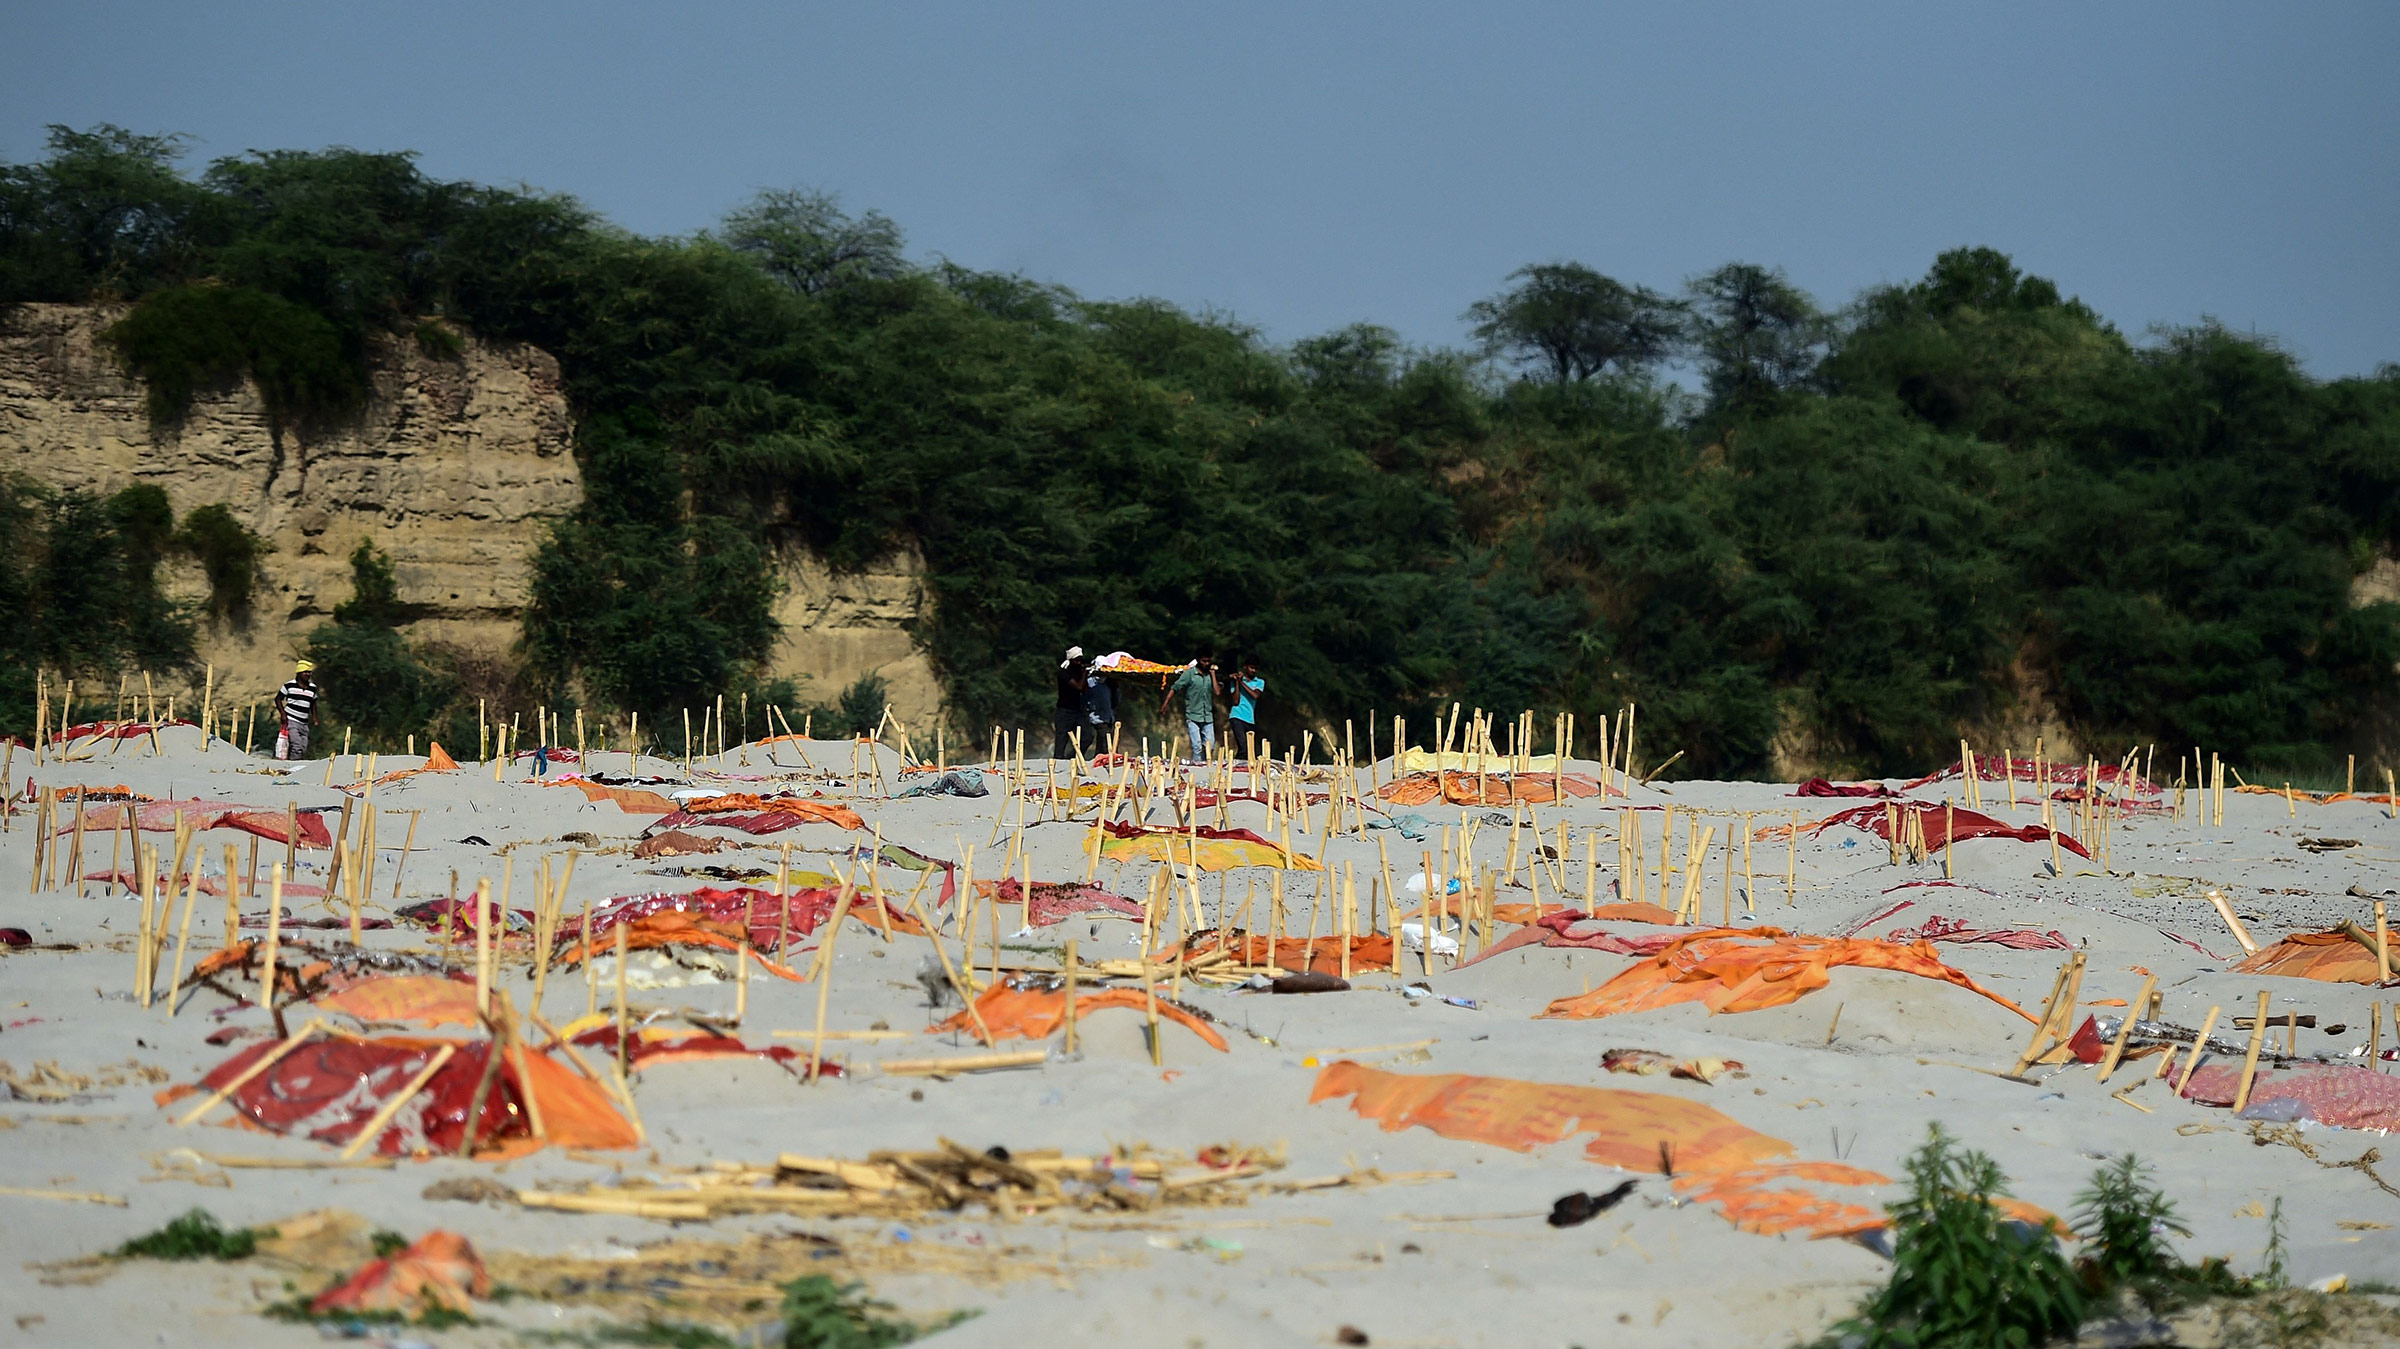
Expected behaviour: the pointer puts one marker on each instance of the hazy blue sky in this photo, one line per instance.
(1303, 167)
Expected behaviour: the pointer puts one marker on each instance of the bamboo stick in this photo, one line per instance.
(383, 1116)
(242, 1079)
(965, 1063)
(824, 972)
(1068, 1042)
(400, 867)
(2199, 1043)
(2133, 1010)
(274, 951)
(2258, 1039)
(624, 1024)
(183, 938)
(2383, 946)
(2234, 924)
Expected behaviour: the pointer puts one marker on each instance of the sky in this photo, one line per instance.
(1302, 167)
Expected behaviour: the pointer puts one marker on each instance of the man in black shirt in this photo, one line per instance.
(296, 707)
(1066, 722)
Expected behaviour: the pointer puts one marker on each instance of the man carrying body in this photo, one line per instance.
(1198, 685)
(1066, 720)
(296, 709)
(1241, 721)
(1099, 711)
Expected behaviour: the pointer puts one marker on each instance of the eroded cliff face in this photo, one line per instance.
(453, 468)
(839, 627)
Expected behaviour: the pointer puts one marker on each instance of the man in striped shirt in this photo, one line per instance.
(296, 705)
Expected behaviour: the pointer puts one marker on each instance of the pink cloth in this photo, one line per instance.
(1821, 787)
(1995, 768)
(1938, 928)
(1939, 822)
(752, 822)
(158, 817)
(1559, 930)
(2343, 1098)
(1055, 902)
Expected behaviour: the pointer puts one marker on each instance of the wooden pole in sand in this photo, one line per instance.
(383, 1116)
(741, 956)
(783, 903)
(824, 974)
(75, 852)
(2133, 1011)
(2232, 923)
(183, 936)
(624, 1019)
(266, 965)
(400, 867)
(591, 966)
(2057, 1013)
(141, 949)
(2199, 1043)
(350, 897)
(2258, 1039)
(2383, 947)
(483, 945)
(1068, 1010)
(263, 1063)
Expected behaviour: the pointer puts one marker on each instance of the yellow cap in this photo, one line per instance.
(304, 667)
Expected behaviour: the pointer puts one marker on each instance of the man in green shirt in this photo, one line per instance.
(1198, 685)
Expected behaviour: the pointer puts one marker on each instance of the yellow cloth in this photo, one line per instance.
(1209, 854)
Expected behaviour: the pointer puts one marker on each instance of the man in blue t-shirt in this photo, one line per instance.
(1241, 723)
(1198, 686)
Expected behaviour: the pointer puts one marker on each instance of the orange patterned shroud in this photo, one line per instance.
(1746, 969)
(2335, 957)
(1636, 1130)
(1036, 1012)
(1485, 789)
(1323, 955)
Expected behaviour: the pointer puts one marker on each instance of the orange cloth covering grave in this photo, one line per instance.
(162, 816)
(631, 800)
(1322, 955)
(674, 927)
(436, 761)
(1743, 970)
(1633, 911)
(2323, 798)
(2336, 957)
(1034, 1009)
(440, 1271)
(426, 999)
(1764, 1200)
(1714, 1159)
(675, 843)
(806, 808)
(1208, 849)
(330, 1088)
(1630, 1129)
(1487, 789)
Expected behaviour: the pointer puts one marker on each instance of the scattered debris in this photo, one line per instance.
(897, 1184)
(1649, 1063)
(1578, 1208)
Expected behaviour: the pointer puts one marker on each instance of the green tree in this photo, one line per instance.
(806, 241)
(1755, 333)
(1576, 322)
(374, 679)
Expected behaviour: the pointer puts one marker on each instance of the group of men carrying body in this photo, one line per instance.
(1086, 713)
